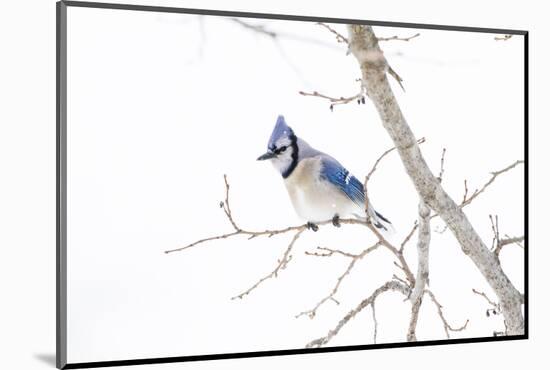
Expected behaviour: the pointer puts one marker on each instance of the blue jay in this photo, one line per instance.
(319, 187)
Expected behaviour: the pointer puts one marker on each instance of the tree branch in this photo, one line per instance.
(359, 97)
(423, 271)
(467, 200)
(388, 286)
(511, 240)
(282, 263)
(495, 307)
(397, 38)
(420, 141)
(339, 37)
(503, 38)
(298, 230)
(255, 27)
(364, 46)
(354, 258)
(446, 325)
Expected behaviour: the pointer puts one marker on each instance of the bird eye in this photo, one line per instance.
(281, 149)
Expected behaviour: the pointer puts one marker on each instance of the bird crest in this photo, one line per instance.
(281, 130)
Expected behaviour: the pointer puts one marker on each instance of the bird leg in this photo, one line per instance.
(312, 226)
(336, 221)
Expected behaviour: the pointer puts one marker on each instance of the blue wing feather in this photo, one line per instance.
(336, 174)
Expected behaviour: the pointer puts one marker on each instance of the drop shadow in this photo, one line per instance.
(47, 358)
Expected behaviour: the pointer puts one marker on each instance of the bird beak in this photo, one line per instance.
(266, 155)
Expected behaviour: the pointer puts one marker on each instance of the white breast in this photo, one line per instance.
(313, 199)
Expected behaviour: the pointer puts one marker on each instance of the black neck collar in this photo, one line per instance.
(294, 156)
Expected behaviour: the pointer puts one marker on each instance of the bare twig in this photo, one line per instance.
(399, 279)
(226, 207)
(494, 226)
(494, 304)
(408, 237)
(509, 240)
(495, 307)
(397, 78)
(468, 200)
(339, 37)
(446, 325)
(238, 230)
(388, 286)
(397, 38)
(282, 263)
(327, 252)
(465, 192)
(354, 258)
(442, 170)
(503, 38)
(419, 141)
(255, 27)
(404, 265)
(250, 234)
(499, 243)
(359, 97)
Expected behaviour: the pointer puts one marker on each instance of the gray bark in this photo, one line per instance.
(423, 269)
(364, 46)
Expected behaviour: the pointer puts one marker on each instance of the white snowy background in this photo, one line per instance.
(161, 106)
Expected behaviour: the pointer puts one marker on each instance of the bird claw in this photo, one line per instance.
(312, 226)
(336, 221)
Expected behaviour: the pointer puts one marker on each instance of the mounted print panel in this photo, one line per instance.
(238, 184)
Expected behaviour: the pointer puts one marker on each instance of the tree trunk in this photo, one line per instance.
(364, 46)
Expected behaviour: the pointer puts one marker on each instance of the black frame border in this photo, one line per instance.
(61, 184)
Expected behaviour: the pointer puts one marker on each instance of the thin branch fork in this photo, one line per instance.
(495, 306)
(494, 226)
(499, 243)
(342, 39)
(442, 168)
(359, 98)
(354, 258)
(467, 200)
(397, 38)
(255, 27)
(282, 263)
(508, 240)
(339, 37)
(446, 324)
(419, 141)
(327, 252)
(393, 285)
(388, 286)
(376, 55)
(485, 296)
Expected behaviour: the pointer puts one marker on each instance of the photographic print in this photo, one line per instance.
(235, 184)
